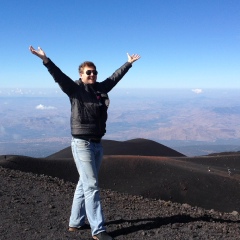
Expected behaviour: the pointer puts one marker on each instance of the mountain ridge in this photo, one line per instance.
(137, 146)
(170, 176)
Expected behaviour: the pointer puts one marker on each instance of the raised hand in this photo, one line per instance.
(40, 53)
(132, 58)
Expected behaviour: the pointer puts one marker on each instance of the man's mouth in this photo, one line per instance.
(91, 79)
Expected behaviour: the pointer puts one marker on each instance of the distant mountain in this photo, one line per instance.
(225, 154)
(139, 146)
(35, 122)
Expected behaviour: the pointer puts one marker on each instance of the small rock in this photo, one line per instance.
(234, 213)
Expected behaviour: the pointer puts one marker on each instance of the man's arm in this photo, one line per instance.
(66, 84)
(110, 82)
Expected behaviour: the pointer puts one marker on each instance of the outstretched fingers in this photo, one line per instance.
(132, 58)
(39, 52)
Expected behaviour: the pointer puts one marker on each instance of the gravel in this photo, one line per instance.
(38, 207)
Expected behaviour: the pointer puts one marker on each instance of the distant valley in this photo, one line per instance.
(37, 124)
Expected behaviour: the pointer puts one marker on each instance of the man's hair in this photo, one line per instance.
(84, 64)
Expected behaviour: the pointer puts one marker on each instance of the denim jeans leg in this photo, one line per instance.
(88, 157)
(78, 213)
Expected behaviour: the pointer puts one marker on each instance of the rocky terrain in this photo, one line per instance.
(148, 191)
(38, 206)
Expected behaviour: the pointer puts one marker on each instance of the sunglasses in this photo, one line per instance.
(94, 72)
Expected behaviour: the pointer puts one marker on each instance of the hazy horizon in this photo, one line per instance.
(191, 121)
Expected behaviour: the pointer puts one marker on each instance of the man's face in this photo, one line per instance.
(89, 75)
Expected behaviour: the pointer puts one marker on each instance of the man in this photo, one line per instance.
(89, 104)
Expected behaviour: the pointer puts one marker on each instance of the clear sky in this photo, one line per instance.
(182, 43)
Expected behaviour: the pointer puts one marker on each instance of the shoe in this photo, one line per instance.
(73, 229)
(102, 236)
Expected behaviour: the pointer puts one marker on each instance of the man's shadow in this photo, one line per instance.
(154, 223)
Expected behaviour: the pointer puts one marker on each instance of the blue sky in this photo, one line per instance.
(182, 43)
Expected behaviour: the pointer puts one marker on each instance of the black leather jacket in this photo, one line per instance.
(89, 102)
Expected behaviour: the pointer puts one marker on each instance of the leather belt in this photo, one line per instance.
(94, 140)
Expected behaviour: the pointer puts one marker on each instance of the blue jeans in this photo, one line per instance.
(86, 200)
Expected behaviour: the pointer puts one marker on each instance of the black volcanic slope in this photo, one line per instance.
(146, 168)
(38, 207)
(137, 147)
(141, 147)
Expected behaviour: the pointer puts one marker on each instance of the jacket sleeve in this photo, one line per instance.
(110, 82)
(66, 83)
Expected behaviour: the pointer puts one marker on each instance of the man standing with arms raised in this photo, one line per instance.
(89, 104)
